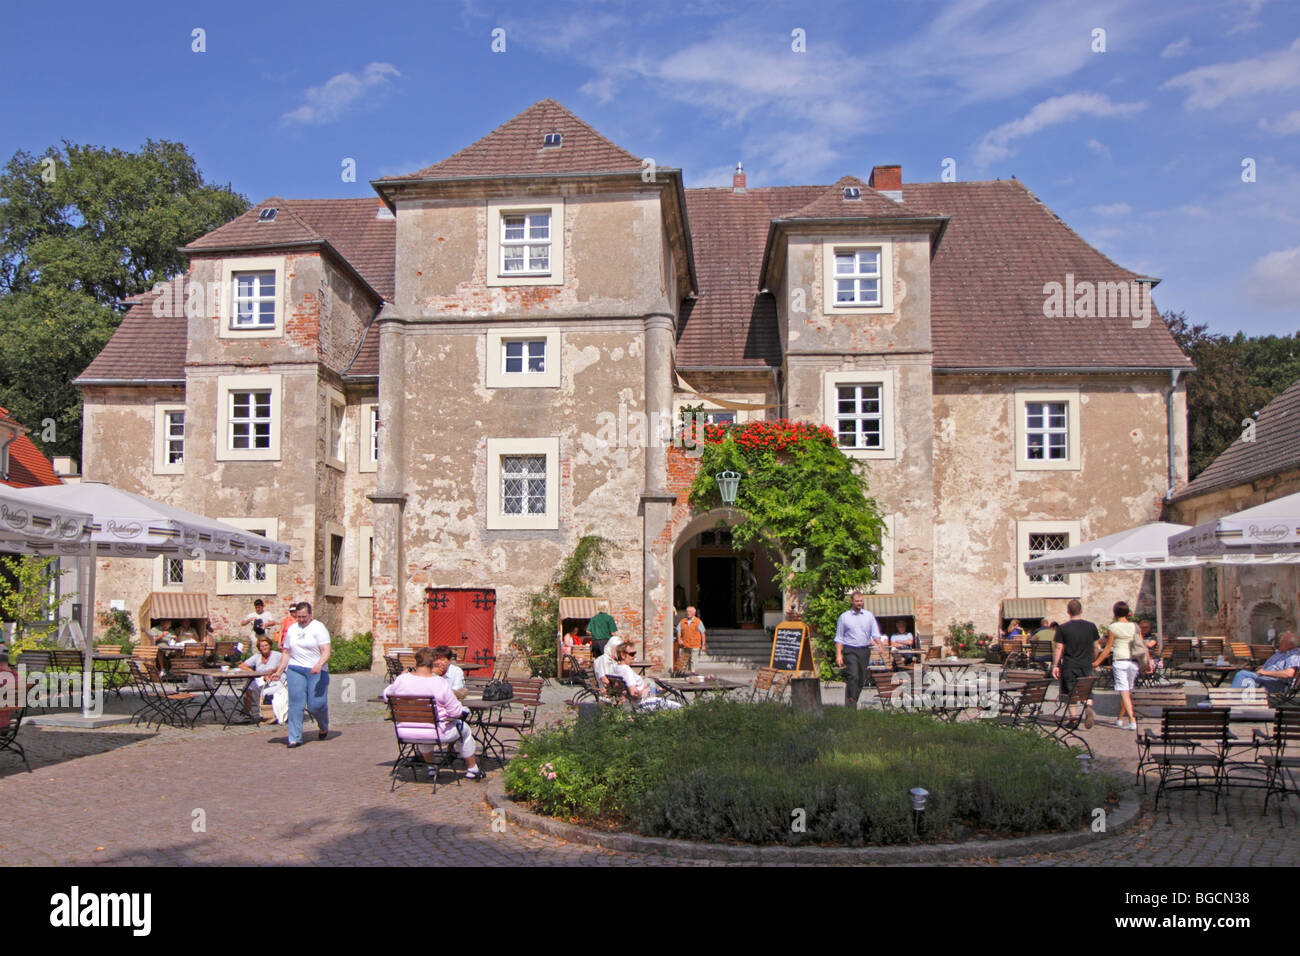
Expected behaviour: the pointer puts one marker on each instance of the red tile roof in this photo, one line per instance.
(832, 204)
(349, 226)
(1276, 449)
(515, 149)
(28, 467)
(145, 347)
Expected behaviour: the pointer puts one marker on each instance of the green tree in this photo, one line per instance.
(82, 229)
(801, 497)
(28, 597)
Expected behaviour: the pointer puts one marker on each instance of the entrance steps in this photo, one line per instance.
(729, 649)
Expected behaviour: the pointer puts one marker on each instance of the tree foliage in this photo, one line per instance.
(82, 229)
(28, 596)
(537, 633)
(1235, 377)
(805, 500)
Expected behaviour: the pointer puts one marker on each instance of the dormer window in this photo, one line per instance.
(852, 192)
(552, 140)
(267, 214)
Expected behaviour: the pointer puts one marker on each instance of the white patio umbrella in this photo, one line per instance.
(22, 519)
(128, 525)
(1144, 548)
(1270, 532)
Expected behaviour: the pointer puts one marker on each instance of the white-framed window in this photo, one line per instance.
(1037, 538)
(523, 358)
(335, 431)
(525, 243)
(1047, 429)
(248, 417)
(523, 483)
(366, 561)
(253, 297)
(885, 570)
(859, 408)
(334, 554)
(249, 577)
(858, 276)
(168, 439)
(368, 453)
(168, 573)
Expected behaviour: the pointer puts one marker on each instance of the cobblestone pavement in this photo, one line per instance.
(126, 796)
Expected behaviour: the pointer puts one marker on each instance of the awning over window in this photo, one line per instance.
(1023, 608)
(890, 605)
(176, 604)
(577, 607)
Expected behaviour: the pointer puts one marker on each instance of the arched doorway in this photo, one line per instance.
(729, 587)
(1267, 614)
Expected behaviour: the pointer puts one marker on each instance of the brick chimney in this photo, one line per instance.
(738, 179)
(888, 180)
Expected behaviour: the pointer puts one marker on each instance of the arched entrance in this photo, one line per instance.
(1266, 614)
(729, 587)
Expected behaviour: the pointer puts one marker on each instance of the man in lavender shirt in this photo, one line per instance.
(425, 681)
(855, 632)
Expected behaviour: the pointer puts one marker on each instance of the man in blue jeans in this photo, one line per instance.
(305, 650)
(855, 632)
(1278, 670)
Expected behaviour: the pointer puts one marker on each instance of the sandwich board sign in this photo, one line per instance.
(791, 648)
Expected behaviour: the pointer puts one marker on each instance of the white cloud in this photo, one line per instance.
(1285, 126)
(1100, 148)
(1209, 86)
(996, 144)
(1275, 278)
(340, 93)
(1249, 18)
(1177, 48)
(1114, 209)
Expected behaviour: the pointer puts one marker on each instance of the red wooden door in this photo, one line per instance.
(463, 616)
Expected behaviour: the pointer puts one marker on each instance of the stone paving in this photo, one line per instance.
(127, 796)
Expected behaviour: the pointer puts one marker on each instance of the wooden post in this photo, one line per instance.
(806, 694)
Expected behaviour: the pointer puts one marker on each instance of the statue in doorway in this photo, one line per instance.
(748, 591)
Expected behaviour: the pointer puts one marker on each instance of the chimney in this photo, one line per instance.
(888, 180)
(738, 179)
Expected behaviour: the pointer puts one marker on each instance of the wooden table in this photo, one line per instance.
(1205, 673)
(680, 688)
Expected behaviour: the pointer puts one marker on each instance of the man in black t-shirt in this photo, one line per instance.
(1072, 656)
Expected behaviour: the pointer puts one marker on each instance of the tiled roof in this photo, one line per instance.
(1001, 246)
(1276, 448)
(28, 467)
(731, 323)
(145, 347)
(366, 362)
(350, 227)
(515, 148)
(832, 204)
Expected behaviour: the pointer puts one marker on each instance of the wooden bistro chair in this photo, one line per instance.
(158, 704)
(1063, 725)
(415, 723)
(1240, 653)
(1282, 756)
(1261, 652)
(1014, 648)
(891, 688)
(769, 684)
(1192, 740)
(1149, 705)
(11, 718)
(518, 715)
(1211, 648)
(1023, 711)
(406, 659)
(108, 648)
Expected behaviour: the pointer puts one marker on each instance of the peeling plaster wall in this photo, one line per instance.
(979, 494)
(1241, 590)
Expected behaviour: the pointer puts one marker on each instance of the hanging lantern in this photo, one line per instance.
(728, 483)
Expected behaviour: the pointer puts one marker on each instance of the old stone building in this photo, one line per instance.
(431, 396)
(1241, 602)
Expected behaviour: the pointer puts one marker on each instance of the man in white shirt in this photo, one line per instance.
(455, 676)
(306, 650)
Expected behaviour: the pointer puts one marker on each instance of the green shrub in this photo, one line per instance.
(724, 770)
(118, 628)
(351, 654)
(966, 641)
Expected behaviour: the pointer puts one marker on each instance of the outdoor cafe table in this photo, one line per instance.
(680, 688)
(956, 668)
(114, 671)
(480, 711)
(237, 680)
(1207, 672)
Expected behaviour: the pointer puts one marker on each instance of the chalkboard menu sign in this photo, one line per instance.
(790, 648)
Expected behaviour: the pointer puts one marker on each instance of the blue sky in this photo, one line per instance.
(1138, 147)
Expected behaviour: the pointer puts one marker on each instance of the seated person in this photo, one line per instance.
(569, 640)
(901, 637)
(1015, 630)
(1153, 645)
(642, 691)
(455, 676)
(428, 680)
(1278, 670)
(188, 635)
(606, 661)
(265, 658)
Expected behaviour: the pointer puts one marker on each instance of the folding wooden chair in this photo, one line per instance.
(1149, 705)
(519, 713)
(1192, 739)
(1282, 757)
(891, 688)
(415, 724)
(1063, 725)
(11, 718)
(159, 704)
(1023, 711)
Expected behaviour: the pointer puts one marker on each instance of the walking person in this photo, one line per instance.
(1119, 644)
(601, 628)
(690, 637)
(305, 652)
(1075, 643)
(855, 632)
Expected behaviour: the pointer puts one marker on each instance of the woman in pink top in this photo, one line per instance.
(425, 681)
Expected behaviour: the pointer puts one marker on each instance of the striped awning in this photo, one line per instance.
(890, 605)
(1023, 608)
(177, 604)
(577, 607)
